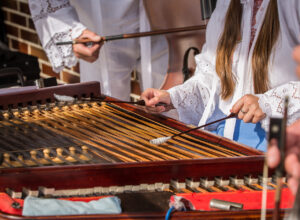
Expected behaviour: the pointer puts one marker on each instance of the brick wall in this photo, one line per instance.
(22, 37)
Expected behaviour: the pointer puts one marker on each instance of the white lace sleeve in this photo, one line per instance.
(272, 102)
(55, 21)
(191, 97)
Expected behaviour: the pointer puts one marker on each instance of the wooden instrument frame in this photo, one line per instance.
(85, 176)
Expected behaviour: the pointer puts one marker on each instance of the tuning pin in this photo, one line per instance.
(66, 108)
(95, 104)
(72, 150)
(16, 113)
(72, 155)
(6, 115)
(84, 149)
(59, 152)
(21, 160)
(58, 157)
(45, 157)
(47, 153)
(26, 112)
(36, 111)
(45, 192)
(76, 106)
(13, 194)
(33, 154)
(85, 154)
(6, 158)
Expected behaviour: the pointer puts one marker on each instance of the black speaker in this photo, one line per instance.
(207, 8)
(15, 66)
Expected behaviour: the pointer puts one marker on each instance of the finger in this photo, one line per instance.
(94, 37)
(90, 35)
(154, 100)
(86, 50)
(95, 49)
(237, 106)
(240, 115)
(273, 154)
(292, 134)
(296, 54)
(250, 114)
(147, 95)
(83, 50)
(292, 165)
(293, 184)
(258, 116)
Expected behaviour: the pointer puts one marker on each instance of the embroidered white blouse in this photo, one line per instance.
(198, 100)
(64, 20)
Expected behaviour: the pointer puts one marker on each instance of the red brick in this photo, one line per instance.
(18, 19)
(135, 87)
(76, 68)
(11, 30)
(14, 44)
(46, 69)
(10, 4)
(22, 47)
(69, 78)
(6, 15)
(31, 24)
(24, 8)
(38, 53)
(32, 37)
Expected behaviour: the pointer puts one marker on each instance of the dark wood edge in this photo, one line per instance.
(204, 161)
(85, 176)
(13, 98)
(245, 214)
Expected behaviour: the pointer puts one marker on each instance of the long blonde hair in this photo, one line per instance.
(262, 50)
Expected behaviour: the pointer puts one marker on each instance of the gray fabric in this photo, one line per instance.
(46, 207)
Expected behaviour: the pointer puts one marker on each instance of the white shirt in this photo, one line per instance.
(198, 100)
(65, 20)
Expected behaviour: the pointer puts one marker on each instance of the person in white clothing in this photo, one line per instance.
(292, 159)
(64, 20)
(245, 67)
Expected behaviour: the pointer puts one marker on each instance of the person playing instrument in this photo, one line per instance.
(292, 160)
(244, 68)
(57, 21)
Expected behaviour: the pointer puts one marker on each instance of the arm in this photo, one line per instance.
(292, 163)
(57, 21)
(296, 55)
(255, 108)
(272, 102)
(189, 98)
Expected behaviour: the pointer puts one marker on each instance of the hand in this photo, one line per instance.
(88, 53)
(248, 109)
(292, 161)
(296, 55)
(153, 97)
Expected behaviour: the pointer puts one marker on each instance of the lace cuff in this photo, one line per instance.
(56, 21)
(190, 100)
(62, 56)
(272, 103)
